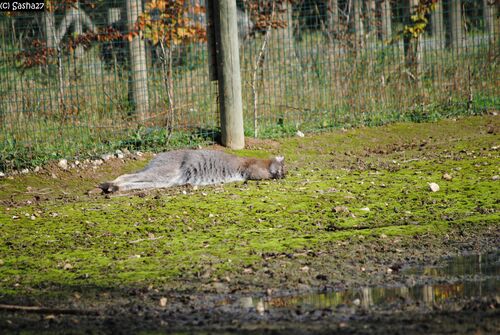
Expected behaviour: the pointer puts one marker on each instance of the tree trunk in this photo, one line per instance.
(456, 31)
(489, 15)
(49, 23)
(78, 27)
(385, 18)
(138, 82)
(437, 26)
(358, 25)
(371, 9)
(333, 16)
(412, 45)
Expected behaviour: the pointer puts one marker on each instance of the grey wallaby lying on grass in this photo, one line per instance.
(197, 167)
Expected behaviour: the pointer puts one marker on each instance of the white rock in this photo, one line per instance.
(496, 177)
(106, 157)
(447, 176)
(299, 133)
(365, 209)
(25, 171)
(37, 169)
(63, 164)
(97, 162)
(260, 307)
(433, 187)
(2, 174)
(356, 302)
(138, 154)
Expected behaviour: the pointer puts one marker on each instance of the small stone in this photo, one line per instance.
(433, 187)
(299, 133)
(63, 164)
(138, 154)
(120, 156)
(389, 270)
(495, 177)
(2, 174)
(356, 302)
(32, 217)
(97, 162)
(77, 163)
(37, 169)
(246, 302)
(163, 301)
(25, 171)
(106, 157)
(341, 209)
(365, 209)
(260, 307)
(67, 266)
(305, 268)
(383, 236)
(447, 176)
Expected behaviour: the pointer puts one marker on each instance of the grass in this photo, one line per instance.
(53, 235)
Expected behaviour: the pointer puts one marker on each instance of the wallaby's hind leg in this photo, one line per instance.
(136, 181)
(143, 185)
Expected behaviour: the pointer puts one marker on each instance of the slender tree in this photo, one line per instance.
(138, 82)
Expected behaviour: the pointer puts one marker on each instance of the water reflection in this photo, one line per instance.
(472, 276)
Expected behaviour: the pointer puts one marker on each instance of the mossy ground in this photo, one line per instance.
(366, 186)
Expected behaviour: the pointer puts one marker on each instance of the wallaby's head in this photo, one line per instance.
(277, 167)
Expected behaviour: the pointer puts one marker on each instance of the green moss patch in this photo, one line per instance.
(361, 182)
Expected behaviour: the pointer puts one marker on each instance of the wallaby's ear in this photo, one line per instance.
(280, 159)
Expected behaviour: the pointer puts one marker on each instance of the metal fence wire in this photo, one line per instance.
(87, 77)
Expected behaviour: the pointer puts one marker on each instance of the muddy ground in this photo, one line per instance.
(355, 210)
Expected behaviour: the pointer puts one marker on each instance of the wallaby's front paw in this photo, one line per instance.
(109, 187)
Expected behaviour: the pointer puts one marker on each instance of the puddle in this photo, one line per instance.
(471, 276)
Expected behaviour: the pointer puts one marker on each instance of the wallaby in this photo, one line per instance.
(197, 167)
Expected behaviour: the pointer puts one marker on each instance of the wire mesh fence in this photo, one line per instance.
(86, 77)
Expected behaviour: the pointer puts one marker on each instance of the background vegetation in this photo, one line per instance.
(307, 65)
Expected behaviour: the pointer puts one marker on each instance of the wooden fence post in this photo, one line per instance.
(228, 72)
